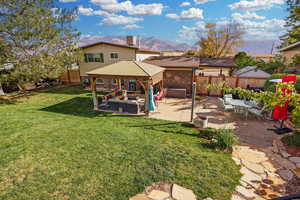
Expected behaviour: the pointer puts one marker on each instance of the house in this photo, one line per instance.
(172, 53)
(290, 51)
(252, 72)
(100, 54)
(263, 56)
(181, 70)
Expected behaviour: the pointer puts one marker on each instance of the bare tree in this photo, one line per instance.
(220, 41)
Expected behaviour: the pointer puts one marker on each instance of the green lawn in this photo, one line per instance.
(53, 146)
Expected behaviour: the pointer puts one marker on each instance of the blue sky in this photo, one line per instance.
(177, 20)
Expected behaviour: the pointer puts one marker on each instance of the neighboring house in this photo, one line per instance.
(290, 51)
(264, 57)
(251, 72)
(100, 54)
(180, 70)
(143, 54)
(172, 53)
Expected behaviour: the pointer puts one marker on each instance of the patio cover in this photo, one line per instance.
(145, 74)
(129, 70)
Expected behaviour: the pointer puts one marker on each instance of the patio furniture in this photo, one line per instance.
(228, 96)
(132, 107)
(242, 110)
(256, 112)
(176, 92)
(227, 107)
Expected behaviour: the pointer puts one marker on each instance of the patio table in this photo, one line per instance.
(236, 102)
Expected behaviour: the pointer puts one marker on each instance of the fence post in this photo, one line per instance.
(209, 82)
(237, 82)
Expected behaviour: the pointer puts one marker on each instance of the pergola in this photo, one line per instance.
(143, 73)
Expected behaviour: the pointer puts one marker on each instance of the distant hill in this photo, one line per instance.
(250, 46)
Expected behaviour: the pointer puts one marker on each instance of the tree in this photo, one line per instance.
(243, 60)
(37, 38)
(191, 53)
(292, 23)
(275, 65)
(220, 41)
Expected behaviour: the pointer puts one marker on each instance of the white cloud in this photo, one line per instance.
(192, 13)
(192, 33)
(132, 26)
(185, 3)
(202, 1)
(247, 15)
(120, 19)
(85, 11)
(127, 6)
(252, 5)
(67, 1)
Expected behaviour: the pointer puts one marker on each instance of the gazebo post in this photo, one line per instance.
(147, 98)
(94, 93)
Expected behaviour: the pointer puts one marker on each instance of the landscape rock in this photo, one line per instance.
(286, 174)
(295, 159)
(140, 197)
(158, 195)
(250, 155)
(284, 163)
(236, 160)
(181, 193)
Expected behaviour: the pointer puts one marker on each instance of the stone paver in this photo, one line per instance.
(237, 197)
(180, 193)
(248, 193)
(140, 197)
(286, 174)
(158, 195)
(257, 168)
(295, 159)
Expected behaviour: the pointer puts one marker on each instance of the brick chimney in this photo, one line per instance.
(131, 40)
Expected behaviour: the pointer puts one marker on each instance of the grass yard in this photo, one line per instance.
(53, 146)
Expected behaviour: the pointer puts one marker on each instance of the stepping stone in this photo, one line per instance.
(285, 154)
(268, 166)
(250, 177)
(297, 172)
(258, 169)
(286, 174)
(236, 160)
(298, 165)
(245, 192)
(237, 197)
(158, 195)
(295, 159)
(140, 197)
(181, 193)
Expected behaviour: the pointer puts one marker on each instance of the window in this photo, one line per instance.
(93, 57)
(114, 81)
(114, 55)
(100, 81)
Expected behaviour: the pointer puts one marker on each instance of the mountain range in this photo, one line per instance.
(152, 43)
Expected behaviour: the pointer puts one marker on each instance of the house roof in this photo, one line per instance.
(108, 43)
(128, 68)
(147, 51)
(190, 61)
(296, 44)
(260, 73)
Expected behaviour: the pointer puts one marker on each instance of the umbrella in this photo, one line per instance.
(276, 80)
(151, 99)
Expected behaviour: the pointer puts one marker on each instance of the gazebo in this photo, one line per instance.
(145, 74)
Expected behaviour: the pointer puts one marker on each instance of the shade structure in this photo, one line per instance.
(145, 74)
(128, 69)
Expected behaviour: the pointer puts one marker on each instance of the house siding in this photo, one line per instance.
(289, 54)
(124, 54)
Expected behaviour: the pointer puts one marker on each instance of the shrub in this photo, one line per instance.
(292, 140)
(272, 87)
(221, 139)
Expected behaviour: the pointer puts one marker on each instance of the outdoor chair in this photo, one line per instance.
(241, 110)
(227, 107)
(228, 96)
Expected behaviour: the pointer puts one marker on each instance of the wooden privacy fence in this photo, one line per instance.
(234, 82)
(71, 76)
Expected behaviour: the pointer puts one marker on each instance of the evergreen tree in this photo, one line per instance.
(37, 39)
